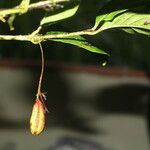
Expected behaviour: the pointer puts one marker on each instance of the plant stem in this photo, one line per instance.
(41, 96)
(43, 4)
(38, 5)
(39, 38)
(42, 71)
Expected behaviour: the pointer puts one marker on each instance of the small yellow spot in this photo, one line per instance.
(104, 64)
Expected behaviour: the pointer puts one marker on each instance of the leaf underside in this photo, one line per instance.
(77, 41)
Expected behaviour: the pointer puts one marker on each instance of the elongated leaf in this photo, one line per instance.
(78, 41)
(141, 31)
(129, 30)
(107, 17)
(136, 30)
(131, 20)
(61, 14)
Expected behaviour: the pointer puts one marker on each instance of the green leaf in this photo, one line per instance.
(136, 30)
(132, 20)
(60, 14)
(107, 17)
(146, 32)
(78, 41)
(129, 30)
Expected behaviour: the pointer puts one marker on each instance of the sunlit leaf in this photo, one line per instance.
(107, 17)
(60, 14)
(132, 20)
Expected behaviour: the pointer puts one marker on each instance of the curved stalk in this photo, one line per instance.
(42, 71)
